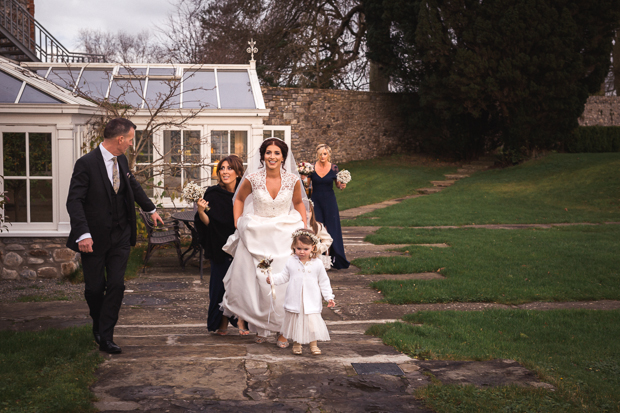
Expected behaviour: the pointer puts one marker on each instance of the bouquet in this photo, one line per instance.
(265, 267)
(305, 168)
(344, 176)
(192, 192)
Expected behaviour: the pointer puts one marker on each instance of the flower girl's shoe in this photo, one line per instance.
(314, 349)
(296, 348)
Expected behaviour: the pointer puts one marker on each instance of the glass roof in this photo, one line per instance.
(165, 86)
(12, 89)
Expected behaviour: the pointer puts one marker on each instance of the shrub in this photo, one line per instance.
(594, 139)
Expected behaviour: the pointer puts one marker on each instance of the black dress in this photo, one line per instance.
(212, 238)
(326, 212)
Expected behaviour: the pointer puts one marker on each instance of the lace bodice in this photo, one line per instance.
(264, 204)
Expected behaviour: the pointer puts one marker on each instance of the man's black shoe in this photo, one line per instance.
(110, 347)
(97, 337)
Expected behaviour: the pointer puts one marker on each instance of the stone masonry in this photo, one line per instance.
(32, 258)
(601, 111)
(356, 125)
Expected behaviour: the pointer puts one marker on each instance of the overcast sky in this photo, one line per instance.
(64, 18)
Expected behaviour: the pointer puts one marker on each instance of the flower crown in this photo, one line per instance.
(315, 240)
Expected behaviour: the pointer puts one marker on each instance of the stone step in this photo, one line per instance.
(442, 184)
(427, 191)
(455, 177)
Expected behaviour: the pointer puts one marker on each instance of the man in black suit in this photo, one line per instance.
(103, 225)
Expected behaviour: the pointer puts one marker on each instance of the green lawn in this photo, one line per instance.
(577, 351)
(377, 180)
(48, 371)
(504, 266)
(557, 188)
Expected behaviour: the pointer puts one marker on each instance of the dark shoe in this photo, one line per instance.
(97, 337)
(110, 347)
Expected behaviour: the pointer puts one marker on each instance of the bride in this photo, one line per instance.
(268, 207)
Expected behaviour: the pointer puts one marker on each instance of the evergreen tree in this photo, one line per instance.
(486, 73)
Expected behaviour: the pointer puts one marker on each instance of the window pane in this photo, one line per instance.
(64, 77)
(133, 71)
(162, 71)
(163, 93)
(42, 72)
(278, 134)
(127, 92)
(15, 207)
(146, 180)
(219, 145)
(266, 134)
(191, 143)
(199, 90)
(145, 149)
(41, 200)
(235, 90)
(40, 152)
(32, 95)
(9, 88)
(239, 144)
(94, 83)
(172, 183)
(172, 146)
(14, 150)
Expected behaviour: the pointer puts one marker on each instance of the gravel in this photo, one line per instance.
(40, 290)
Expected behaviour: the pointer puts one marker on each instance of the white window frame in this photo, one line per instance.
(34, 227)
(225, 127)
(285, 128)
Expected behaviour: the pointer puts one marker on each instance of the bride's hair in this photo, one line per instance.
(273, 141)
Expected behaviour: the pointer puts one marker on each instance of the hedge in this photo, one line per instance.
(594, 139)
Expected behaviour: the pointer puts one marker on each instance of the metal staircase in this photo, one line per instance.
(24, 39)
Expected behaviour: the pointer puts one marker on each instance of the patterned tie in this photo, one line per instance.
(116, 183)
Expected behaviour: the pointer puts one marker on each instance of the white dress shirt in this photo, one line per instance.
(109, 167)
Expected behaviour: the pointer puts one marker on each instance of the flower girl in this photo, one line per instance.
(302, 303)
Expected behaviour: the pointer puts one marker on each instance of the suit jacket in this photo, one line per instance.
(90, 200)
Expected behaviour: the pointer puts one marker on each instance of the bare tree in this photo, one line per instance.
(120, 47)
(181, 37)
(306, 43)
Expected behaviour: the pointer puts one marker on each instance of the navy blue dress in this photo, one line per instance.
(326, 212)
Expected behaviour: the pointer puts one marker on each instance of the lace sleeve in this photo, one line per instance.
(289, 180)
(255, 180)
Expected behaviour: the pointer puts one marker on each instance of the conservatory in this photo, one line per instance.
(192, 115)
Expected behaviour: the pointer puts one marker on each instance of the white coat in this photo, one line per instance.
(326, 239)
(306, 283)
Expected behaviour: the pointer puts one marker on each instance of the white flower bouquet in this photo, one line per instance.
(192, 192)
(344, 176)
(305, 168)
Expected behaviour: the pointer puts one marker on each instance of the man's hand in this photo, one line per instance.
(86, 245)
(155, 217)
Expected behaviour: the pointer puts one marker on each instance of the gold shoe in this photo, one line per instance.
(314, 349)
(296, 348)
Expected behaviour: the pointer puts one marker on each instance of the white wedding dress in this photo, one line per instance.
(266, 232)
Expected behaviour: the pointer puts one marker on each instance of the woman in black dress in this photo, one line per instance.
(214, 226)
(325, 205)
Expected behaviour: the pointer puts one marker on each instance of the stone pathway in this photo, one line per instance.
(170, 363)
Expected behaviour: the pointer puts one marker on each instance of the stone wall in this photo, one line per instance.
(601, 111)
(31, 258)
(356, 125)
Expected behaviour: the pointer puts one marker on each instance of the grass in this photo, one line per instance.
(503, 266)
(558, 188)
(377, 180)
(573, 350)
(47, 371)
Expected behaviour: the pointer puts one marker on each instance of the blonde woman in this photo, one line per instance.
(325, 205)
